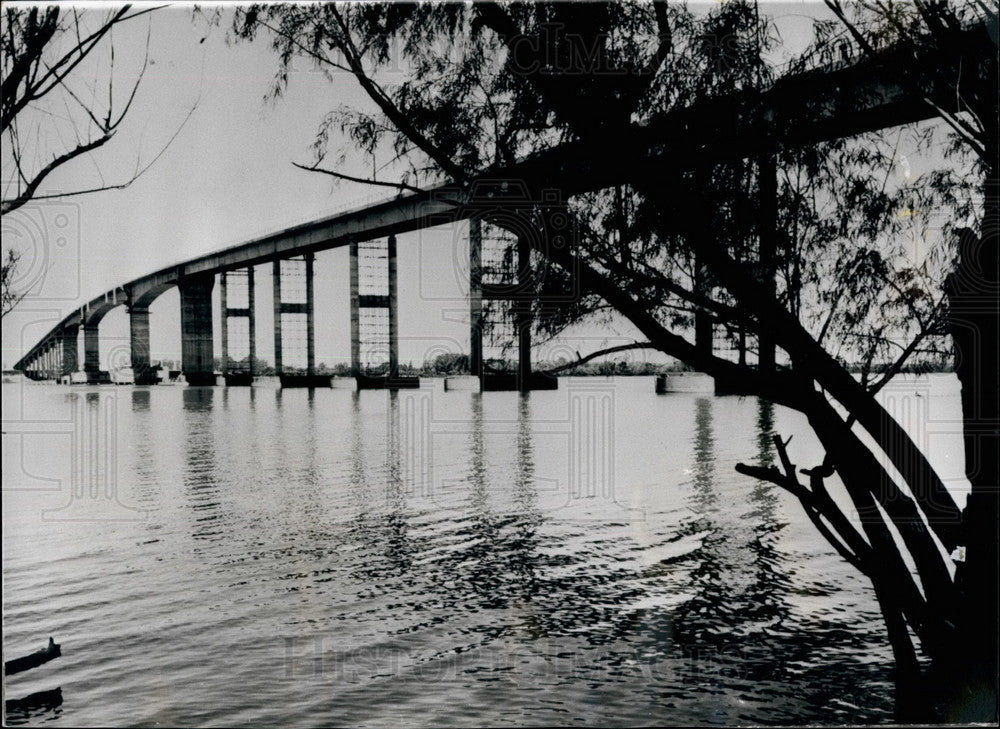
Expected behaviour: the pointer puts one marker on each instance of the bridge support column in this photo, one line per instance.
(393, 310)
(70, 357)
(355, 313)
(92, 352)
(277, 318)
(703, 329)
(385, 299)
(283, 308)
(138, 318)
(522, 314)
(475, 297)
(241, 376)
(197, 357)
(224, 334)
(310, 318)
(252, 324)
(519, 292)
(768, 221)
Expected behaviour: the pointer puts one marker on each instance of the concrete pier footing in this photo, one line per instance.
(305, 380)
(685, 382)
(505, 381)
(462, 382)
(386, 382)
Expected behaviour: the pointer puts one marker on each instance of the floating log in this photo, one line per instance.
(17, 665)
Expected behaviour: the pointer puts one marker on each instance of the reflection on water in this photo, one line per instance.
(368, 558)
(39, 706)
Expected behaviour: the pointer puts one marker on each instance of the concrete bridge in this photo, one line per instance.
(806, 108)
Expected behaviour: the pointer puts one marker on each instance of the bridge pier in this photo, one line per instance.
(242, 377)
(521, 295)
(92, 355)
(476, 298)
(522, 314)
(282, 308)
(70, 357)
(388, 302)
(197, 356)
(768, 233)
(138, 318)
(704, 330)
(355, 304)
(393, 310)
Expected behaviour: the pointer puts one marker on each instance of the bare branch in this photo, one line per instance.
(362, 180)
(10, 205)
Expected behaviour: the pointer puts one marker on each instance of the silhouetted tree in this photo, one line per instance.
(798, 247)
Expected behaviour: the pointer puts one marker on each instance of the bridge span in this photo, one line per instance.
(857, 96)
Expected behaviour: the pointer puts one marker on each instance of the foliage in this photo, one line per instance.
(11, 297)
(816, 248)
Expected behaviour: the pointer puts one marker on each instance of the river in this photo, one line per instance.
(253, 556)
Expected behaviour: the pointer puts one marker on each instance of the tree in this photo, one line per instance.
(42, 47)
(971, 111)
(795, 249)
(11, 296)
(54, 59)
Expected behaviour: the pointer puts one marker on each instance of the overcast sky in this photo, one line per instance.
(228, 177)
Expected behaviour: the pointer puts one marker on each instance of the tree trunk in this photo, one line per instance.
(973, 321)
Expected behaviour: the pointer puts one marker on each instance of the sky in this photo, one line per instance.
(227, 177)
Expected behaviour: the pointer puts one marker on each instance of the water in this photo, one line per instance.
(219, 557)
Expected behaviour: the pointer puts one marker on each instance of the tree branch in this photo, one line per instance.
(13, 204)
(362, 180)
(392, 112)
(600, 353)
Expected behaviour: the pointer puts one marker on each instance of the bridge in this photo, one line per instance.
(889, 89)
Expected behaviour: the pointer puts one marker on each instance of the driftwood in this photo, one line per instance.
(37, 658)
